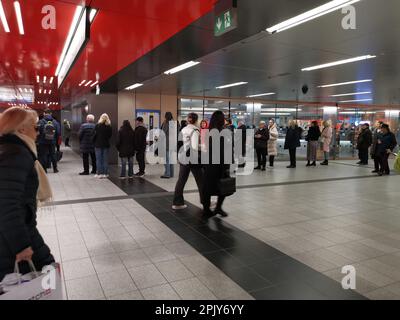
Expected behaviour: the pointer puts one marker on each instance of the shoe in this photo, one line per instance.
(313, 164)
(324, 163)
(374, 171)
(308, 164)
(359, 162)
(179, 206)
(122, 177)
(291, 167)
(84, 174)
(208, 213)
(257, 168)
(221, 212)
(97, 175)
(93, 172)
(263, 169)
(165, 177)
(139, 174)
(56, 171)
(380, 174)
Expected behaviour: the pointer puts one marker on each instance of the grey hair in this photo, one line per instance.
(90, 118)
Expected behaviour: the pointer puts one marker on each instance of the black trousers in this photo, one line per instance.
(207, 202)
(383, 159)
(85, 156)
(261, 157)
(184, 171)
(271, 161)
(67, 142)
(140, 159)
(292, 154)
(363, 155)
(46, 153)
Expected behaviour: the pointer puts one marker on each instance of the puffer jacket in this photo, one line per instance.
(86, 137)
(18, 189)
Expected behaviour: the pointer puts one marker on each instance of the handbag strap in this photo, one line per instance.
(31, 266)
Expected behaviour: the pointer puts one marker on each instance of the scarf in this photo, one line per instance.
(44, 193)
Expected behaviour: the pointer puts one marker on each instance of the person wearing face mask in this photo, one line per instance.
(23, 186)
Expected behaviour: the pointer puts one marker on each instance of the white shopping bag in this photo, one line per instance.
(45, 285)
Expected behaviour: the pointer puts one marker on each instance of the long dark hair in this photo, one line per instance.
(217, 121)
(168, 116)
(126, 126)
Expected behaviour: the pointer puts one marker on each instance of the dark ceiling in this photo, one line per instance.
(274, 62)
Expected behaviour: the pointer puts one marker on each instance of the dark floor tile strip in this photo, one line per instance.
(86, 200)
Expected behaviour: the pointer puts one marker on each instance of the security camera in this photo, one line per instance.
(304, 89)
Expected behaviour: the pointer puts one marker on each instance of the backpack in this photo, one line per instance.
(49, 131)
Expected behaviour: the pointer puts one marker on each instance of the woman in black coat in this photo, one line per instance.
(126, 148)
(20, 190)
(292, 141)
(261, 138)
(214, 172)
(312, 146)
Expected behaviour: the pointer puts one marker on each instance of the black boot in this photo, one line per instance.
(313, 164)
(325, 163)
(308, 164)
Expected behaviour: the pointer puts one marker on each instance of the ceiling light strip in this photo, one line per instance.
(136, 85)
(3, 18)
(311, 15)
(182, 67)
(261, 95)
(340, 62)
(359, 100)
(18, 13)
(232, 85)
(350, 94)
(344, 83)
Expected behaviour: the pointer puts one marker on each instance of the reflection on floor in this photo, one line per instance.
(274, 236)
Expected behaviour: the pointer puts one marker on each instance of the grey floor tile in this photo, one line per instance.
(192, 289)
(116, 283)
(163, 292)
(134, 258)
(147, 276)
(174, 270)
(87, 288)
(76, 269)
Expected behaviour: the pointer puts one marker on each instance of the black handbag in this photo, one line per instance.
(226, 186)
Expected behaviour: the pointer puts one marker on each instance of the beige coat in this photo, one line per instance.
(326, 137)
(272, 142)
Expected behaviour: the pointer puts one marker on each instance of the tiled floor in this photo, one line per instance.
(284, 225)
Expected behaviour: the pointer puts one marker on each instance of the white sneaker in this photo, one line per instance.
(97, 175)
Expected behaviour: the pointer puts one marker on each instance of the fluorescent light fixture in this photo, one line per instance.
(81, 84)
(357, 112)
(359, 100)
(93, 84)
(336, 63)
(231, 85)
(31, 90)
(89, 82)
(4, 19)
(40, 91)
(92, 14)
(281, 109)
(350, 94)
(44, 79)
(311, 15)
(199, 109)
(37, 79)
(330, 110)
(76, 39)
(51, 80)
(50, 92)
(136, 85)
(45, 91)
(344, 83)
(18, 13)
(182, 67)
(261, 95)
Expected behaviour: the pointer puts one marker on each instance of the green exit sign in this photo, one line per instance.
(225, 22)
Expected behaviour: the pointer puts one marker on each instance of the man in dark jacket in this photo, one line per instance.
(140, 145)
(261, 138)
(292, 141)
(86, 135)
(385, 145)
(49, 133)
(364, 141)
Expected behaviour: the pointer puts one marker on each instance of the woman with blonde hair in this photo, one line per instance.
(326, 139)
(23, 185)
(102, 136)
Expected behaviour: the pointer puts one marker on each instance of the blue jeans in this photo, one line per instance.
(130, 166)
(102, 160)
(169, 168)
